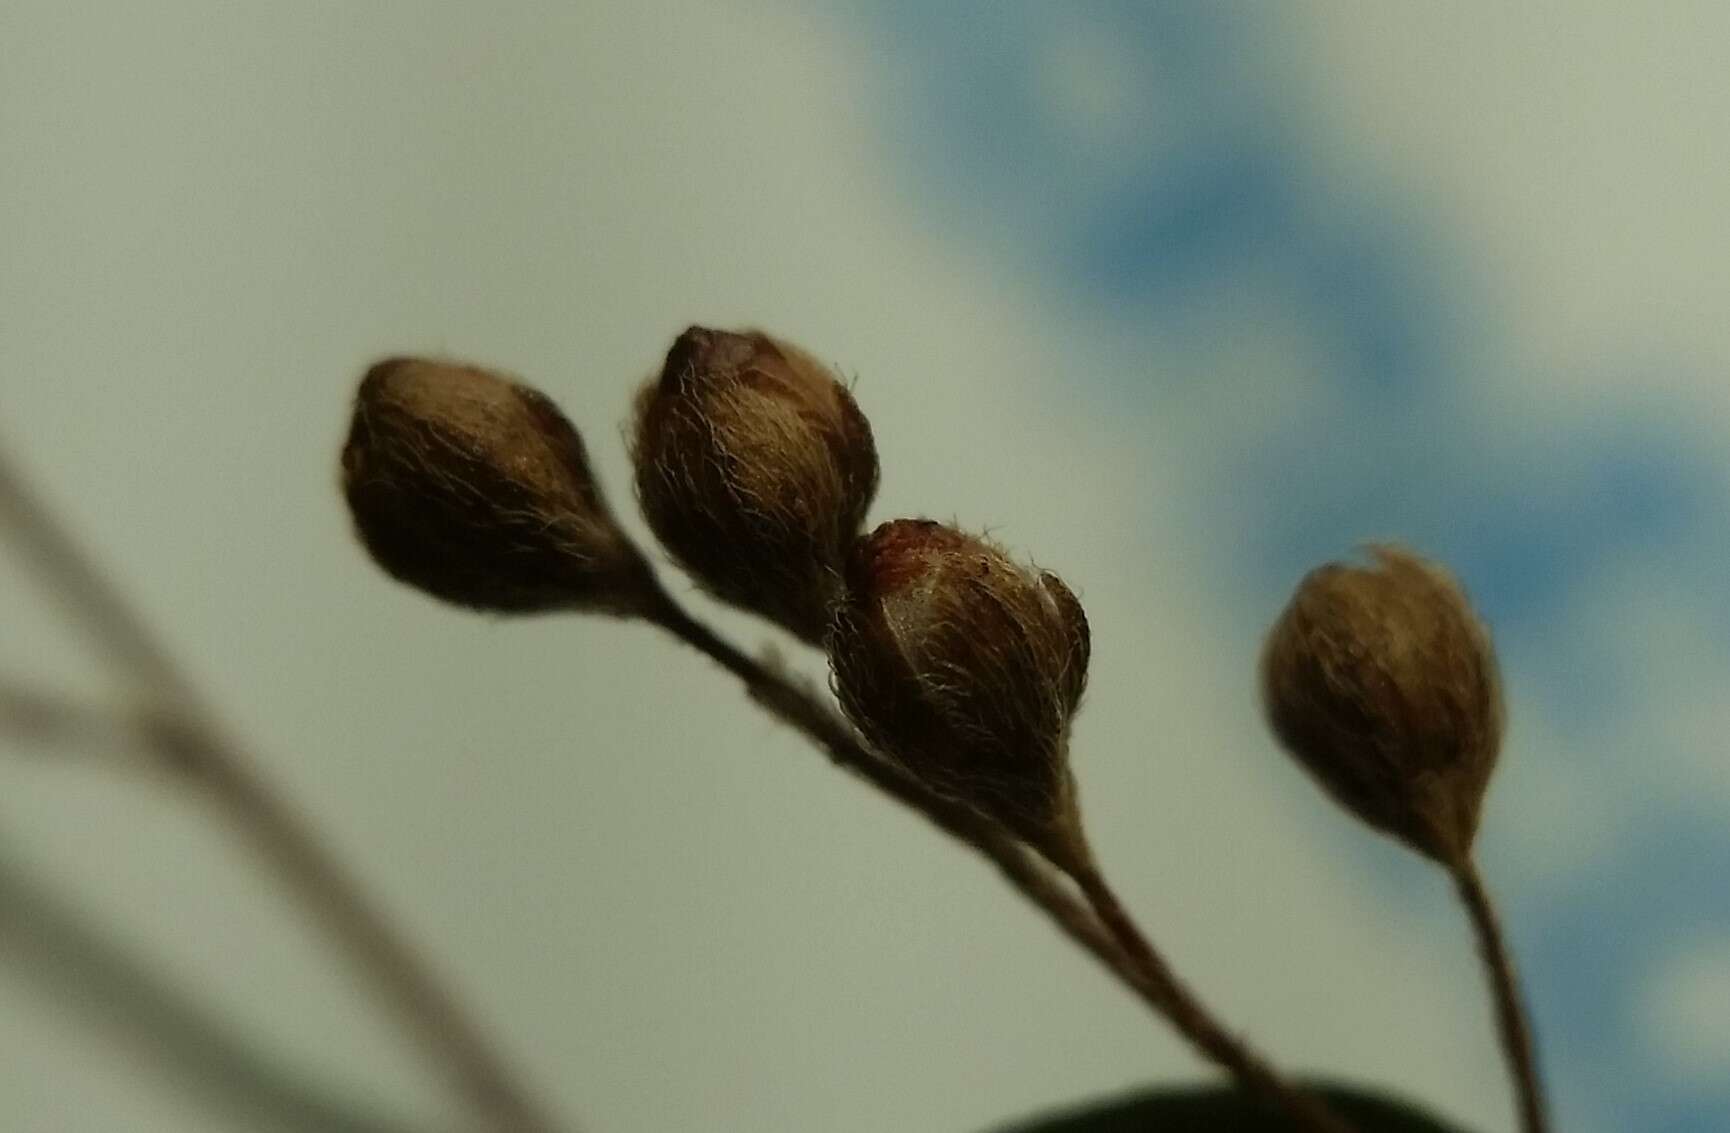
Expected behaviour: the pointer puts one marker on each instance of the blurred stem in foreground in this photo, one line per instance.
(55, 945)
(187, 740)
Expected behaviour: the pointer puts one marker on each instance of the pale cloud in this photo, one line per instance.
(1683, 1012)
(1574, 153)
(1096, 91)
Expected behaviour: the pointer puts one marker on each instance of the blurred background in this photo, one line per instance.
(1177, 299)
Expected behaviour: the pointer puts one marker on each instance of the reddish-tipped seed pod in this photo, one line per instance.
(477, 490)
(1382, 682)
(755, 469)
(965, 669)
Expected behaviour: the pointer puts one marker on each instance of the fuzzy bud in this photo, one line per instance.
(755, 469)
(966, 669)
(477, 490)
(1382, 682)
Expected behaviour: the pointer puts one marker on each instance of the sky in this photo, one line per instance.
(1177, 300)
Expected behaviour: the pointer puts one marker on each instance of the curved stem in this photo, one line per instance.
(187, 737)
(1511, 1019)
(1107, 932)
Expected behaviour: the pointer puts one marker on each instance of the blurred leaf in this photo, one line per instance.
(1224, 1109)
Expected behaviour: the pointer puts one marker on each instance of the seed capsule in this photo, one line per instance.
(966, 669)
(1382, 682)
(477, 490)
(755, 469)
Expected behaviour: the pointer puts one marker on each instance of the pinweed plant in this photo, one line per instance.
(955, 670)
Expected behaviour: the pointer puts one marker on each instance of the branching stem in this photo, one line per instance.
(184, 733)
(1107, 932)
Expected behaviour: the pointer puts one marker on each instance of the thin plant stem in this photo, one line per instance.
(1106, 931)
(1511, 1018)
(54, 946)
(1192, 1019)
(55, 720)
(187, 736)
(786, 700)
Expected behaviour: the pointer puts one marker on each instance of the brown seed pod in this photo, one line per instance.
(966, 669)
(477, 490)
(755, 469)
(1382, 682)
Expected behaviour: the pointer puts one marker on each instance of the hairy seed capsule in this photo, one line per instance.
(1382, 682)
(966, 669)
(477, 490)
(755, 469)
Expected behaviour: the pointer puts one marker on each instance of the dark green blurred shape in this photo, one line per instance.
(1224, 1109)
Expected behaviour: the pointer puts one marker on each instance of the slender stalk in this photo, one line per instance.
(188, 738)
(1511, 1018)
(52, 945)
(59, 721)
(1192, 1019)
(806, 713)
(1107, 932)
